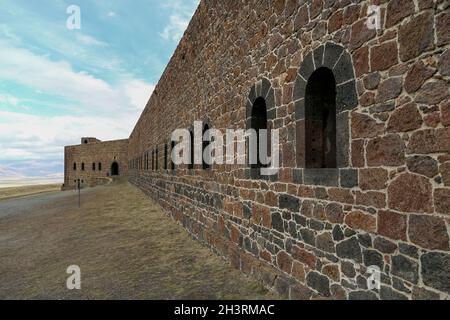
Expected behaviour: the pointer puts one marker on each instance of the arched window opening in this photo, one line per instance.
(206, 159)
(320, 120)
(153, 160)
(191, 149)
(165, 156)
(82, 166)
(93, 166)
(74, 166)
(156, 158)
(172, 163)
(99, 166)
(258, 122)
(114, 169)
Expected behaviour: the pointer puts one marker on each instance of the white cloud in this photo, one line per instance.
(139, 93)
(8, 99)
(32, 137)
(59, 78)
(103, 110)
(179, 19)
(90, 41)
(175, 29)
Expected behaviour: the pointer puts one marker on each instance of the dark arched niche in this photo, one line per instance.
(260, 111)
(319, 69)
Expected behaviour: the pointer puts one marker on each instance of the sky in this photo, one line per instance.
(58, 84)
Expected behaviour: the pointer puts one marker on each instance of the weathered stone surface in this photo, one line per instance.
(409, 250)
(364, 126)
(289, 202)
(397, 10)
(405, 268)
(281, 286)
(338, 292)
(387, 293)
(362, 295)
(442, 201)
(428, 232)
(300, 292)
(429, 141)
(386, 151)
(304, 256)
(318, 282)
(348, 178)
(302, 18)
(436, 270)
(332, 272)
(315, 8)
(361, 61)
(298, 271)
(284, 261)
(346, 97)
(335, 21)
(384, 245)
(410, 193)
(360, 220)
(442, 29)
(349, 249)
(371, 199)
(373, 178)
(417, 76)
(416, 36)
(348, 269)
(419, 293)
(424, 165)
(405, 118)
(338, 235)
(432, 92)
(373, 258)
(382, 108)
(325, 242)
(444, 63)
(308, 236)
(360, 34)
(384, 56)
(277, 221)
(358, 153)
(399, 284)
(445, 113)
(392, 225)
(389, 89)
(372, 80)
(334, 212)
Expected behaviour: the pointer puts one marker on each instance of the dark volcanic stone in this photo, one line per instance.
(318, 282)
(349, 249)
(436, 270)
(405, 268)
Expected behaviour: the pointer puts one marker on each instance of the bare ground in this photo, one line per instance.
(15, 192)
(126, 247)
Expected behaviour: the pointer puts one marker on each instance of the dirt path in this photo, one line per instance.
(125, 246)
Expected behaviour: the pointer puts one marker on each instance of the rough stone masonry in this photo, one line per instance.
(312, 230)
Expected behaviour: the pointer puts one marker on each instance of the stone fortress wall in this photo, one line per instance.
(94, 162)
(364, 121)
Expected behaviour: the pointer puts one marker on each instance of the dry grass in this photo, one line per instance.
(15, 192)
(126, 249)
